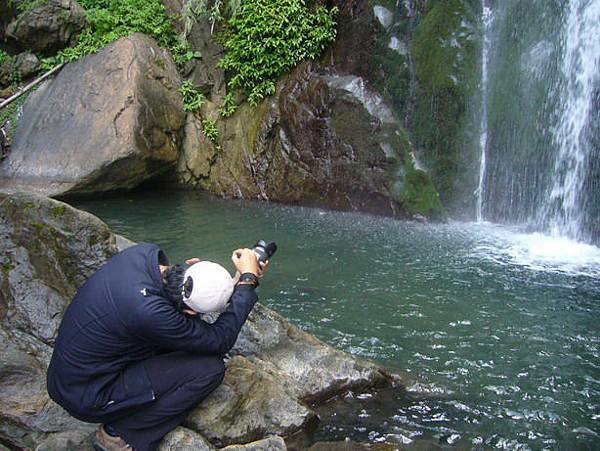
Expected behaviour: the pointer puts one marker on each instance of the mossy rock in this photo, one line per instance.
(446, 56)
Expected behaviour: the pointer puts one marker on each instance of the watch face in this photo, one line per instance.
(249, 277)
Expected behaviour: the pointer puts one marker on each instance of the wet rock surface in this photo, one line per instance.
(327, 138)
(317, 370)
(48, 249)
(108, 121)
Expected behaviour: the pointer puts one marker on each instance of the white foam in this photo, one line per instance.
(539, 252)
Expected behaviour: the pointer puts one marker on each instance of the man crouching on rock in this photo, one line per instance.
(131, 352)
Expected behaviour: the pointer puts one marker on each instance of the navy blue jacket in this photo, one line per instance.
(121, 317)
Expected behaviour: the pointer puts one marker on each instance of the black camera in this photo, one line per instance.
(264, 251)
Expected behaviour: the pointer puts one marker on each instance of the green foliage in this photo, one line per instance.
(11, 113)
(420, 196)
(229, 105)
(3, 56)
(7, 268)
(112, 19)
(182, 53)
(15, 77)
(192, 98)
(214, 10)
(270, 37)
(59, 211)
(28, 5)
(210, 130)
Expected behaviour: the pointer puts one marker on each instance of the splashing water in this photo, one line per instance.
(540, 134)
(565, 207)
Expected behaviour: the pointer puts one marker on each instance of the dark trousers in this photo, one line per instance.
(180, 381)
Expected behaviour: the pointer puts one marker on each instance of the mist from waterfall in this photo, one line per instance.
(540, 132)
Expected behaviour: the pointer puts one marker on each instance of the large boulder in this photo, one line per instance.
(317, 370)
(47, 28)
(8, 11)
(108, 121)
(48, 249)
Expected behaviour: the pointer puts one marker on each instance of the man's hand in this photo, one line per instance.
(192, 261)
(245, 260)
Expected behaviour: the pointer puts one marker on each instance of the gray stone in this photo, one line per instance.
(123, 243)
(27, 414)
(48, 28)
(199, 32)
(249, 404)
(398, 46)
(271, 443)
(5, 70)
(108, 121)
(67, 441)
(183, 439)
(8, 12)
(384, 16)
(27, 64)
(48, 249)
(199, 152)
(318, 142)
(356, 88)
(317, 370)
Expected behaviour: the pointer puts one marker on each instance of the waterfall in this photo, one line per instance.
(540, 130)
(566, 205)
(485, 49)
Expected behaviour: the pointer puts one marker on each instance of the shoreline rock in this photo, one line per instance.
(49, 248)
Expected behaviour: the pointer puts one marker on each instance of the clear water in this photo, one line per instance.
(500, 328)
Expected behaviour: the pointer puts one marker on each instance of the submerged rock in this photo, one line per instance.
(48, 249)
(108, 121)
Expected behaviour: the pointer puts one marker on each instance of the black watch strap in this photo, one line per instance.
(248, 278)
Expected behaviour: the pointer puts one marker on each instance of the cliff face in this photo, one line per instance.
(377, 124)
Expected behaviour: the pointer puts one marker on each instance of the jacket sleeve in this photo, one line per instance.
(172, 330)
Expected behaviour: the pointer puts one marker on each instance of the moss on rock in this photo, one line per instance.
(446, 56)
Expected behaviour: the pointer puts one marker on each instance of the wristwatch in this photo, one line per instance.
(248, 278)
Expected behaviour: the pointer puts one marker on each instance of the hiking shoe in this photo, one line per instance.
(106, 442)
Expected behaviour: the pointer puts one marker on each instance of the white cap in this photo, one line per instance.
(212, 287)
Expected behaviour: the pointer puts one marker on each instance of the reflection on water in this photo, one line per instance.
(499, 328)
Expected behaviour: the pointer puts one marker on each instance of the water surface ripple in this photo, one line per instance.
(499, 327)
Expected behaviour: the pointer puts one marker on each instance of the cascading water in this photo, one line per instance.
(566, 205)
(541, 136)
(485, 49)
